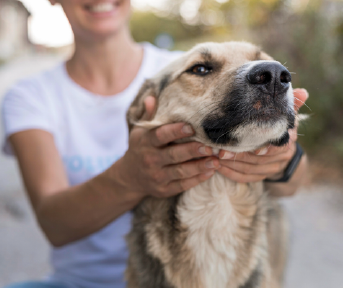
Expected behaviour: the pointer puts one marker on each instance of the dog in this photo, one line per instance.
(219, 234)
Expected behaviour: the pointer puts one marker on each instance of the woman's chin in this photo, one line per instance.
(103, 30)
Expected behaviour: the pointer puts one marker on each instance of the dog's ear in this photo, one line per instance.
(137, 108)
(151, 87)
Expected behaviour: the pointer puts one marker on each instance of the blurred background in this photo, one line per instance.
(304, 35)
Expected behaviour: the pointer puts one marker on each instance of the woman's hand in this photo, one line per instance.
(268, 162)
(153, 167)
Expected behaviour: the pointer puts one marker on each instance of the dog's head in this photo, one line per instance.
(235, 96)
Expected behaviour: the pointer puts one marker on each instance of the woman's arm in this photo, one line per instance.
(65, 213)
(149, 167)
(289, 188)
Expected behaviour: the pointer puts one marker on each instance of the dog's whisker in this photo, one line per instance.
(303, 103)
(222, 135)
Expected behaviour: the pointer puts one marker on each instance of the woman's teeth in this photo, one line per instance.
(103, 7)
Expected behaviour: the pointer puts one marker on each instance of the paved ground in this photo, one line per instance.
(316, 254)
(316, 213)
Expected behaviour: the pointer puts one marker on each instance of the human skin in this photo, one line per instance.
(105, 61)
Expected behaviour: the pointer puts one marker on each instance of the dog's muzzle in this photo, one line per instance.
(259, 95)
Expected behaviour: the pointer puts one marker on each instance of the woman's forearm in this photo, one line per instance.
(103, 199)
(290, 188)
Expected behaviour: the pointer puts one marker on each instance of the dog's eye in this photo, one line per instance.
(200, 70)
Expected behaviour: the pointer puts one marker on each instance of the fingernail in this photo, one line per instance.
(215, 151)
(263, 151)
(209, 164)
(187, 129)
(209, 173)
(205, 151)
(227, 155)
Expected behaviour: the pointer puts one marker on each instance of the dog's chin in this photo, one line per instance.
(250, 136)
(281, 141)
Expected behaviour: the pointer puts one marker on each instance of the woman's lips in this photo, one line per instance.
(102, 9)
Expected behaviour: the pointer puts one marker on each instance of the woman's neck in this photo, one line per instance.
(108, 66)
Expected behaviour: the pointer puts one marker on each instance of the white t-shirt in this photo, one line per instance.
(90, 133)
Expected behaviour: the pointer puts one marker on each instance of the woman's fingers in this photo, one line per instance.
(300, 97)
(252, 169)
(240, 177)
(191, 168)
(246, 167)
(179, 153)
(178, 186)
(284, 153)
(150, 104)
(168, 133)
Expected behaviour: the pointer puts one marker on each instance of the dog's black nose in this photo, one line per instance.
(271, 77)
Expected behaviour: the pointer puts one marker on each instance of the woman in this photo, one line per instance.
(67, 129)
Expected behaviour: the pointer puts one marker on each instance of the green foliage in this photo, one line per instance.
(145, 26)
(312, 49)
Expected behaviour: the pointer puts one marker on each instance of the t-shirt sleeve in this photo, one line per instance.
(24, 107)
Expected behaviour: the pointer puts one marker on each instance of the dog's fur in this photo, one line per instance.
(219, 234)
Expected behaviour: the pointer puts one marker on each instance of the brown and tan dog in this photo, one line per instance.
(219, 234)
